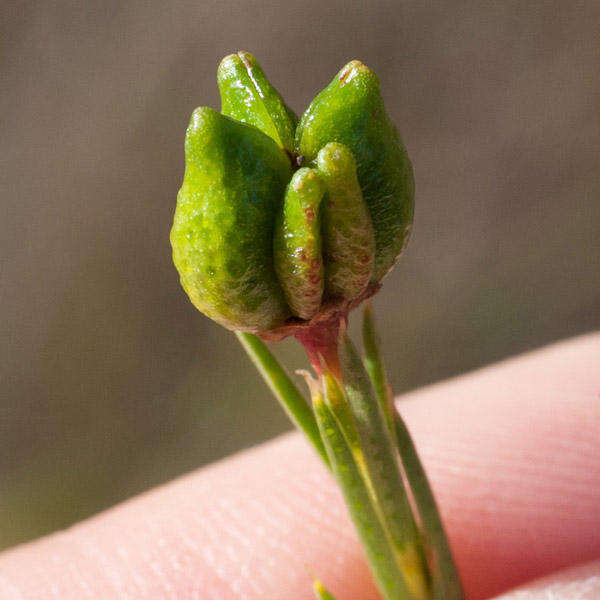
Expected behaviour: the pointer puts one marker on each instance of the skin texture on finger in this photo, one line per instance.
(579, 583)
(513, 452)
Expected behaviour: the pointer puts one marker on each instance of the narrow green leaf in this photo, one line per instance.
(446, 583)
(321, 592)
(381, 559)
(283, 389)
(384, 471)
(336, 401)
(338, 404)
(375, 367)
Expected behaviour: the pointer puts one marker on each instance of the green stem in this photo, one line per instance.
(284, 390)
(446, 582)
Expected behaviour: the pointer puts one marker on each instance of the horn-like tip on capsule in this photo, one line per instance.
(230, 63)
(246, 57)
(227, 61)
(353, 69)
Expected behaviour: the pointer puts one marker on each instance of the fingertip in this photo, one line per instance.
(579, 583)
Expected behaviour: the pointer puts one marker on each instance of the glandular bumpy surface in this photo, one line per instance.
(222, 234)
(258, 240)
(350, 110)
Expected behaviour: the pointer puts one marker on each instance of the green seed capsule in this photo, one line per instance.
(348, 236)
(255, 246)
(222, 235)
(350, 110)
(297, 244)
(248, 96)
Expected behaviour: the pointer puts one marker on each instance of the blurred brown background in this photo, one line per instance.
(111, 381)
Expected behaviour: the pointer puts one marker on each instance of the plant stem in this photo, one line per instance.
(321, 344)
(359, 435)
(283, 388)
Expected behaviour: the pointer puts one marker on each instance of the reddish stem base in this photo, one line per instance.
(321, 344)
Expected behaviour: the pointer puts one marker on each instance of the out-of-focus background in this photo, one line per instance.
(111, 382)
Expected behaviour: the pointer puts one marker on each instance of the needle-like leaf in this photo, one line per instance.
(381, 559)
(321, 592)
(445, 579)
(384, 470)
(375, 367)
(283, 389)
(446, 582)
